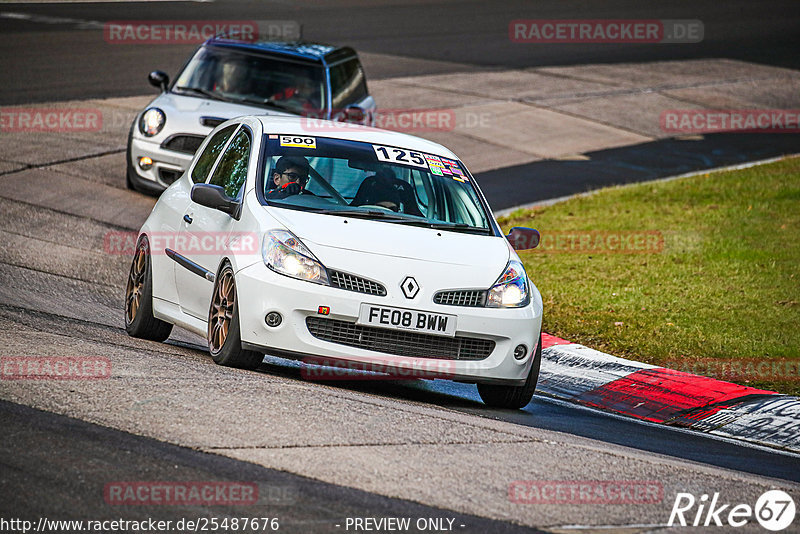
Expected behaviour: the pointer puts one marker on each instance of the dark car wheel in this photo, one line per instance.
(514, 397)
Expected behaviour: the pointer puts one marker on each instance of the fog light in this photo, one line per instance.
(520, 352)
(273, 319)
(145, 163)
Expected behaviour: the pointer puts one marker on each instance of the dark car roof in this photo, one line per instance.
(310, 51)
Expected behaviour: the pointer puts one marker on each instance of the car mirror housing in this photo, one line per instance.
(214, 197)
(523, 238)
(356, 114)
(159, 79)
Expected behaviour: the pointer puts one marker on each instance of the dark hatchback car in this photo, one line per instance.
(226, 78)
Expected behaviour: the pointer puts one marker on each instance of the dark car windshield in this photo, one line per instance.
(373, 181)
(236, 76)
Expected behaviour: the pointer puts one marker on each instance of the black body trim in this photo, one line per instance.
(185, 262)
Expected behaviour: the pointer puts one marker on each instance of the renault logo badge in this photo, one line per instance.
(410, 287)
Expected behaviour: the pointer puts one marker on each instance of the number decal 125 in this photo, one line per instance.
(400, 155)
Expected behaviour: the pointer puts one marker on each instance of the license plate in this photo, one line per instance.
(404, 319)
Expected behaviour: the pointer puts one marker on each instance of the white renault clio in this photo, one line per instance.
(305, 238)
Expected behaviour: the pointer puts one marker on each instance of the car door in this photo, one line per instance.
(205, 232)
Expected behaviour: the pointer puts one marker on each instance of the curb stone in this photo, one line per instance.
(586, 376)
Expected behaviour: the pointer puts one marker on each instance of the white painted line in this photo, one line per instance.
(44, 19)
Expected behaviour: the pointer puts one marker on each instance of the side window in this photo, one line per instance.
(231, 172)
(348, 83)
(209, 155)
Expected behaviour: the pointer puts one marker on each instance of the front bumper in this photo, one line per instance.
(261, 291)
(168, 165)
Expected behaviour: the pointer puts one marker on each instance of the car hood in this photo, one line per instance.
(184, 112)
(329, 235)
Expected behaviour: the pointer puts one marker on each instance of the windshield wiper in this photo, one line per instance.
(382, 215)
(204, 92)
(460, 227)
(373, 214)
(268, 102)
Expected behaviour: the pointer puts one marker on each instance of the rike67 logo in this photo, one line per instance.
(774, 510)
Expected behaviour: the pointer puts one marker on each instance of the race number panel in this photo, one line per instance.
(402, 156)
(298, 141)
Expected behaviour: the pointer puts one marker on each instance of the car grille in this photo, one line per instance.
(351, 282)
(168, 175)
(398, 342)
(475, 298)
(186, 144)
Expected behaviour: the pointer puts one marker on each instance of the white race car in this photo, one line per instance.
(304, 238)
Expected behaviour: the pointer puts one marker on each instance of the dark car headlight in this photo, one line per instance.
(152, 121)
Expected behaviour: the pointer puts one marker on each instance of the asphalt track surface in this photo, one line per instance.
(50, 58)
(629, 164)
(36, 483)
(54, 465)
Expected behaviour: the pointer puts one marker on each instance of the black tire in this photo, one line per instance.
(225, 342)
(128, 182)
(128, 169)
(514, 397)
(139, 319)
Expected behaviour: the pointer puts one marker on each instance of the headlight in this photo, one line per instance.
(287, 255)
(511, 289)
(152, 121)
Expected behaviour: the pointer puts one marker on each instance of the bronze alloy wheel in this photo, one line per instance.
(139, 319)
(136, 280)
(219, 323)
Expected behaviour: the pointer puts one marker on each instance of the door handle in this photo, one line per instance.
(187, 218)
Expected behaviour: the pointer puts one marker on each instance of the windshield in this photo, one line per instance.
(372, 181)
(242, 78)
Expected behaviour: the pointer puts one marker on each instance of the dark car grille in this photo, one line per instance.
(355, 283)
(168, 176)
(186, 144)
(475, 298)
(398, 342)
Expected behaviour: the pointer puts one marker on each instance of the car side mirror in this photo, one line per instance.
(214, 197)
(355, 114)
(159, 79)
(523, 238)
